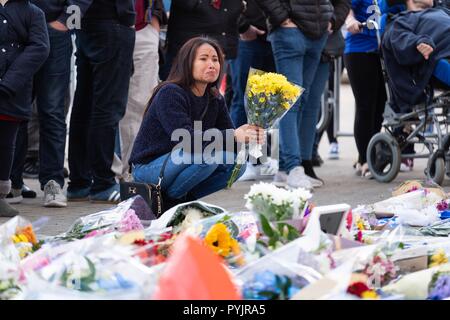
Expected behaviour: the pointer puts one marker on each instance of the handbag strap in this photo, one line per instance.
(163, 168)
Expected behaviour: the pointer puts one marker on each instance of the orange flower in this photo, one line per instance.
(28, 232)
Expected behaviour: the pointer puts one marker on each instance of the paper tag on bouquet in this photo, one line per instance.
(255, 150)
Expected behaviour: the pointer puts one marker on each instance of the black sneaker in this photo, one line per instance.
(316, 161)
(31, 169)
(28, 193)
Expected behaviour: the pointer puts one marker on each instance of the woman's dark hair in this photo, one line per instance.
(181, 72)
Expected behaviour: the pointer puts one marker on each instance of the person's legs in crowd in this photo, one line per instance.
(16, 196)
(8, 132)
(104, 65)
(366, 80)
(311, 110)
(31, 165)
(51, 85)
(142, 83)
(333, 153)
(290, 47)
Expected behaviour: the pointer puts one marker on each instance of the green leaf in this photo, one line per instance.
(266, 227)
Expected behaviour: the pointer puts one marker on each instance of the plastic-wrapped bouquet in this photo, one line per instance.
(277, 204)
(268, 97)
(19, 232)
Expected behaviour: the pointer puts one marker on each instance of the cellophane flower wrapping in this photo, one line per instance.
(231, 236)
(18, 239)
(122, 218)
(86, 269)
(183, 215)
(9, 278)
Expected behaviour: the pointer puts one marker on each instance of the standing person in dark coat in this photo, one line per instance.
(51, 88)
(217, 19)
(24, 46)
(105, 45)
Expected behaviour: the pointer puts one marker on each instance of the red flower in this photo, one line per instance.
(140, 242)
(357, 289)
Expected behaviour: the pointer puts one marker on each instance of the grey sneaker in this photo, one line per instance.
(53, 195)
(14, 196)
(6, 210)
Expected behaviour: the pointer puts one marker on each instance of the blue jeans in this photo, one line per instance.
(104, 68)
(51, 87)
(312, 109)
(297, 57)
(199, 180)
(252, 54)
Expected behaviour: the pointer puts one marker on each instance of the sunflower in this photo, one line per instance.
(219, 239)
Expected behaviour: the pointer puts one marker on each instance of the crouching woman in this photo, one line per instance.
(24, 46)
(189, 106)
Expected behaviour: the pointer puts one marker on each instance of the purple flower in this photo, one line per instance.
(441, 288)
(130, 222)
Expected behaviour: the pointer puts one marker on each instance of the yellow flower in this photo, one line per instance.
(360, 225)
(438, 258)
(219, 239)
(23, 238)
(369, 294)
(15, 239)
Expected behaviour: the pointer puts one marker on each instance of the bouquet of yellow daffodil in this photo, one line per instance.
(268, 97)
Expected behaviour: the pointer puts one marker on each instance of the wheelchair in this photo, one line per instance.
(384, 153)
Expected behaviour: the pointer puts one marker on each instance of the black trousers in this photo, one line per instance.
(8, 134)
(366, 80)
(19, 156)
(104, 67)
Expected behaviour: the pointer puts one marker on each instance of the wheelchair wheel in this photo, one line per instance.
(446, 148)
(383, 157)
(435, 170)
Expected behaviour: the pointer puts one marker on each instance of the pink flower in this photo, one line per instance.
(130, 222)
(96, 233)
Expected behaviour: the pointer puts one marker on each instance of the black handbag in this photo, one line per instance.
(150, 192)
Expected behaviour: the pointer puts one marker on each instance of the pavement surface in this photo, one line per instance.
(341, 183)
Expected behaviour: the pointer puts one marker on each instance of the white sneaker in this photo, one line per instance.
(251, 173)
(53, 195)
(333, 154)
(270, 168)
(316, 183)
(280, 179)
(298, 179)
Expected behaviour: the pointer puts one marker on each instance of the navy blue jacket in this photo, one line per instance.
(24, 47)
(120, 10)
(408, 71)
(172, 108)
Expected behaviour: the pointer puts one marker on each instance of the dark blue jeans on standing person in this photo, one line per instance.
(104, 67)
(252, 54)
(179, 179)
(51, 87)
(312, 107)
(297, 57)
